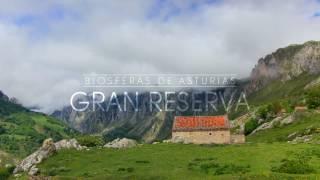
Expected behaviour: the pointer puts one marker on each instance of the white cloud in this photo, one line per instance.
(42, 63)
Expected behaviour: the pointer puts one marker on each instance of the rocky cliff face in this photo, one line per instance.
(286, 64)
(113, 123)
(143, 125)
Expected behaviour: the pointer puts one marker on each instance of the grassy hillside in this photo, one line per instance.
(267, 155)
(307, 123)
(291, 92)
(276, 90)
(22, 131)
(178, 161)
(6, 159)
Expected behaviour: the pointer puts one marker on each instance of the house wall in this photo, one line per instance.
(205, 137)
(238, 139)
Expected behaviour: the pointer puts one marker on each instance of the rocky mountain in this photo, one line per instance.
(283, 73)
(286, 64)
(142, 125)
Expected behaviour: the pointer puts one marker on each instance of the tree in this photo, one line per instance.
(313, 97)
(250, 126)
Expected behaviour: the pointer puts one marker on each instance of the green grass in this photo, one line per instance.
(258, 159)
(275, 90)
(304, 121)
(6, 159)
(176, 161)
(23, 132)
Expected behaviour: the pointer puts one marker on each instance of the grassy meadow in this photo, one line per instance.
(179, 161)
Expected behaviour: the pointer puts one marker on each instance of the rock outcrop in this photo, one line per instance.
(177, 139)
(48, 149)
(28, 164)
(278, 121)
(68, 144)
(286, 64)
(121, 143)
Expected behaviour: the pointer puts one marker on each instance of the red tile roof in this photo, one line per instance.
(191, 123)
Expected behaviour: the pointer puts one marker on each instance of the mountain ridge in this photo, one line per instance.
(285, 65)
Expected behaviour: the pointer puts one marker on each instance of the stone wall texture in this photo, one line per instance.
(237, 138)
(204, 137)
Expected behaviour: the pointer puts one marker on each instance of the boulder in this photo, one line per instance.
(121, 143)
(281, 120)
(47, 149)
(178, 139)
(68, 144)
(33, 171)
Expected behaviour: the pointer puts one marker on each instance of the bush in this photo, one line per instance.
(262, 111)
(55, 171)
(4, 173)
(90, 141)
(129, 169)
(298, 165)
(231, 169)
(250, 126)
(313, 97)
(269, 111)
(276, 107)
(288, 105)
(210, 166)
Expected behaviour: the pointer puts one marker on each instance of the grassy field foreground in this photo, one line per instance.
(178, 161)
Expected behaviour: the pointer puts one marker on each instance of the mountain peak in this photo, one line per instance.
(286, 63)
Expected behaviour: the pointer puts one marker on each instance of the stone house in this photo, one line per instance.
(204, 130)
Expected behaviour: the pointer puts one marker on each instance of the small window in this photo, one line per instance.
(210, 134)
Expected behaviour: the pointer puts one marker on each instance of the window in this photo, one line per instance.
(210, 134)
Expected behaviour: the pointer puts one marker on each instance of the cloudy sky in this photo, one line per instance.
(46, 45)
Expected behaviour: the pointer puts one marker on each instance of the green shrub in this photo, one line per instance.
(276, 107)
(288, 105)
(313, 97)
(231, 169)
(298, 165)
(269, 111)
(250, 126)
(210, 166)
(90, 141)
(11, 168)
(129, 169)
(262, 111)
(55, 171)
(4, 173)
